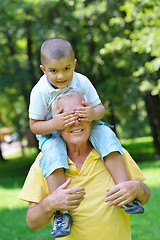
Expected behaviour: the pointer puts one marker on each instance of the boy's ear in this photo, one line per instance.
(43, 69)
(75, 61)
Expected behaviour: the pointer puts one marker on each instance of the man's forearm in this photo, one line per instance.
(38, 216)
(144, 192)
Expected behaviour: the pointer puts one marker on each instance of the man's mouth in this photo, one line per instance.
(77, 131)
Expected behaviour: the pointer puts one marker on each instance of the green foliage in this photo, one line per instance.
(116, 44)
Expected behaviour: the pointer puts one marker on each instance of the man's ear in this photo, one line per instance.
(43, 69)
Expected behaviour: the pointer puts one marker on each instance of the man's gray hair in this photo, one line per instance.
(70, 92)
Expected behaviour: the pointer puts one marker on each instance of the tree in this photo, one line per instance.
(140, 27)
(115, 49)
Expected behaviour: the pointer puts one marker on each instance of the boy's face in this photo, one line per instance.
(59, 72)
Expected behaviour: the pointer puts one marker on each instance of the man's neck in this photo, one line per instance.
(78, 154)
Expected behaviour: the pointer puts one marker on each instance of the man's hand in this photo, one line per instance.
(66, 199)
(62, 120)
(123, 193)
(85, 113)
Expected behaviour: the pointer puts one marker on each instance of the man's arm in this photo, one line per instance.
(125, 192)
(39, 214)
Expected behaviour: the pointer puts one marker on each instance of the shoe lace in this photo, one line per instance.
(60, 221)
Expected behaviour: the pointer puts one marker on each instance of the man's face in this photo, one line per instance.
(59, 72)
(79, 132)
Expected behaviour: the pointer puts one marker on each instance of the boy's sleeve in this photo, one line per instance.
(37, 107)
(35, 186)
(89, 91)
(133, 170)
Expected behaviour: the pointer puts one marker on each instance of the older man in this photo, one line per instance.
(89, 192)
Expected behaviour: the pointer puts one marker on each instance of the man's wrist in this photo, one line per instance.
(46, 206)
(143, 193)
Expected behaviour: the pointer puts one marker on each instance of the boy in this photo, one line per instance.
(58, 65)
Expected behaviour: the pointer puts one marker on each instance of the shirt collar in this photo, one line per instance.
(71, 85)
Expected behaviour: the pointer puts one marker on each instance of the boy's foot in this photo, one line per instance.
(133, 207)
(62, 224)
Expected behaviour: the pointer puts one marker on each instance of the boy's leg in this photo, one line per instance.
(62, 219)
(108, 146)
(115, 164)
(56, 179)
(52, 163)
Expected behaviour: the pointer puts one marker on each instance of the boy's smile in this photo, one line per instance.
(59, 72)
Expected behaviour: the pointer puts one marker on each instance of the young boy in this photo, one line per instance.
(58, 64)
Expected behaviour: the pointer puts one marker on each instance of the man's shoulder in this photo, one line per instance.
(35, 164)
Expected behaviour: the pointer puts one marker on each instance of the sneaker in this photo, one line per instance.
(62, 224)
(133, 207)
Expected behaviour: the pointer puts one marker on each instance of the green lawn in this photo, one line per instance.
(13, 211)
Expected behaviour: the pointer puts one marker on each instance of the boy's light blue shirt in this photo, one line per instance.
(43, 95)
(54, 148)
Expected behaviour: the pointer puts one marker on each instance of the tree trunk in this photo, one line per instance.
(112, 118)
(31, 139)
(153, 109)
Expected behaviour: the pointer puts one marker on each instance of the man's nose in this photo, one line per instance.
(77, 121)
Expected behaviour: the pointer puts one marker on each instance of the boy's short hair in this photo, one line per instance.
(55, 48)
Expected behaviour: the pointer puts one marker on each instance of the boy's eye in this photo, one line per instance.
(53, 71)
(67, 68)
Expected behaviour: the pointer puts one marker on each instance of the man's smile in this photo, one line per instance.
(77, 130)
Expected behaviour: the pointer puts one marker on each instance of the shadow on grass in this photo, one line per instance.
(13, 226)
(140, 149)
(14, 171)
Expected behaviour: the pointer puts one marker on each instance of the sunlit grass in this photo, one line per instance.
(12, 210)
(13, 173)
(146, 226)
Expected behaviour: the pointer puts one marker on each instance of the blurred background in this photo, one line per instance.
(117, 46)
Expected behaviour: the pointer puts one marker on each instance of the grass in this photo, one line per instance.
(13, 211)
(146, 227)
(141, 149)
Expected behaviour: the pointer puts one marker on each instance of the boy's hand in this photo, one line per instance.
(85, 113)
(63, 120)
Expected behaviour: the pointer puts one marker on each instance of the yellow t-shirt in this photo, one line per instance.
(93, 219)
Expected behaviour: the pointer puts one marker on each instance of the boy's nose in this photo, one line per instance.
(60, 76)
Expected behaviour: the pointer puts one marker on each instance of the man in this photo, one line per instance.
(91, 197)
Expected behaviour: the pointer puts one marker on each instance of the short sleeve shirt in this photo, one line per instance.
(43, 95)
(93, 219)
